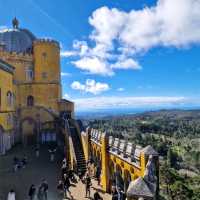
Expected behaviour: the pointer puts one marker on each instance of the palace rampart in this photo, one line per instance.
(129, 166)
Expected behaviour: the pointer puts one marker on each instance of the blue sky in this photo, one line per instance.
(120, 53)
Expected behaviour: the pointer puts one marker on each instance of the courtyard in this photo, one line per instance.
(35, 171)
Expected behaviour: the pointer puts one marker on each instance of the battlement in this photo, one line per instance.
(47, 41)
(125, 150)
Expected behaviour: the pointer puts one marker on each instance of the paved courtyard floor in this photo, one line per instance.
(35, 171)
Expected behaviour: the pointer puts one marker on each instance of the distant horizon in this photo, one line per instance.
(127, 111)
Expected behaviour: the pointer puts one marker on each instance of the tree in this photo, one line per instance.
(180, 191)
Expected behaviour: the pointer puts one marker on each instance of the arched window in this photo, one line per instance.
(30, 101)
(9, 98)
(29, 73)
(9, 119)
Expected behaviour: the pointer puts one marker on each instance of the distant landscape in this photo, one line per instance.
(175, 134)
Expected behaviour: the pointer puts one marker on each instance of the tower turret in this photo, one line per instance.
(46, 61)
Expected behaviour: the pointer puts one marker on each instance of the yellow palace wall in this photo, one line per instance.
(111, 162)
(6, 84)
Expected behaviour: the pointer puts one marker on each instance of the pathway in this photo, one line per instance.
(36, 169)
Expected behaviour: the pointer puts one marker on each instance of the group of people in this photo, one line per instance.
(69, 177)
(41, 193)
(118, 194)
(19, 163)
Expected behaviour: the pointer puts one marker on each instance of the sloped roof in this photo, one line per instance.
(6, 67)
(139, 188)
(149, 150)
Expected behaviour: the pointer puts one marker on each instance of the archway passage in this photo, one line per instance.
(29, 131)
(127, 180)
(119, 177)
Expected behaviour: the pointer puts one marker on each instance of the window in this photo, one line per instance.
(30, 101)
(44, 75)
(9, 98)
(29, 73)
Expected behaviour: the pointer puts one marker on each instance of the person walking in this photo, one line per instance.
(98, 174)
(97, 196)
(40, 194)
(66, 184)
(114, 193)
(37, 151)
(32, 192)
(45, 188)
(11, 195)
(88, 183)
(60, 187)
(52, 154)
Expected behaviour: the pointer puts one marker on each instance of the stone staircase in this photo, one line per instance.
(80, 158)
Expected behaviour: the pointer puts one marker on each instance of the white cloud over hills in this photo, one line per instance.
(90, 86)
(119, 36)
(103, 102)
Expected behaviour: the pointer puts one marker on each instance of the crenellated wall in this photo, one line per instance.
(121, 162)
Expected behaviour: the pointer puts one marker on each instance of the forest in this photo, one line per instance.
(175, 134)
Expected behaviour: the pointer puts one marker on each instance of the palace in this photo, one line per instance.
(30, 87)
(32, 112)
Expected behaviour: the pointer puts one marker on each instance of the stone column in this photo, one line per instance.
(105, 162)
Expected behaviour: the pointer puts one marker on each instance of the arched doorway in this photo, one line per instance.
(127, 179)
(119, 178)
(2, 148)
(30, 101)
(29, 131)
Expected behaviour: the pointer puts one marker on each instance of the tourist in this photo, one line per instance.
(98, 174)
(97, 196)
(66, 184)
(114, 193)
(60, 187)
(88, 184)
(64, 169)
(11, 195)
(40, 194)
(32, 192)
(24, 161)
(15, 163)
(37, 151)
(45, 188)
(52, 154)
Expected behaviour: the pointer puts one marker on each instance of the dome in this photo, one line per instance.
(16, 39)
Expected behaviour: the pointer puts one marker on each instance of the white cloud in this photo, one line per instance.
(119, 36)
(120, 89)
(90, 86)
(66, 54)
(66, 96)
(126, 64)
(93, 65)
(128, 102)
(65, 74)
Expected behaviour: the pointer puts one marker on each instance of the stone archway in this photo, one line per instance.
(29, 131)
(119, 177)
(2, 146)
(127, 179)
